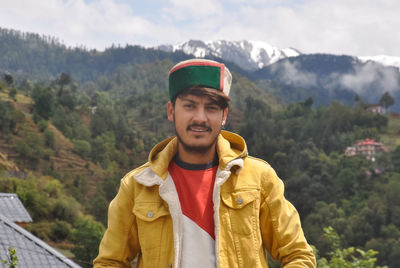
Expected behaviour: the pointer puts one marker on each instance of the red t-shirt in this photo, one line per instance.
(195, 185)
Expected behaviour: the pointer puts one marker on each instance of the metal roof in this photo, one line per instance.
(30, 250)
(13, 209)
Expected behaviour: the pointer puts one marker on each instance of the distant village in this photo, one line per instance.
(369, 147)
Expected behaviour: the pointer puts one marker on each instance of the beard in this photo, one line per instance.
(196, 149)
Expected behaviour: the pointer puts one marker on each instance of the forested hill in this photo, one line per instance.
(39, 56)
(323, 77)
(33, 55)
(326, 77)
(68, 135)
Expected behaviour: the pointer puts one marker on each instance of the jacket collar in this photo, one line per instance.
(161, 155)
(230, 147)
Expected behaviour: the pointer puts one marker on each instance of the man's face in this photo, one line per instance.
(198, 121)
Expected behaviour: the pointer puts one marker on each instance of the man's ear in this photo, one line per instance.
(170, 111)
(225, 115)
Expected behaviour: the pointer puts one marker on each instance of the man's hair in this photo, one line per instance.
(217, 96)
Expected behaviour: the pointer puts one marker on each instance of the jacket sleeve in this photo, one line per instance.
(280, 226)
(119, 245)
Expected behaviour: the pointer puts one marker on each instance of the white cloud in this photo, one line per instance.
(340, 27)
(354, 27)
(291, 74)
(386, 80)
(369, 80)
(192, 10)
(96, 24)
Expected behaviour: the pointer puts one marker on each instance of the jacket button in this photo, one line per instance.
(150, 214)
(239, 201)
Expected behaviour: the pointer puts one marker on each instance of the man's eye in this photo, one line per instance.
(188, 106)
(213, 108)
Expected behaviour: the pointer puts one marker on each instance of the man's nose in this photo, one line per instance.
(200, 115)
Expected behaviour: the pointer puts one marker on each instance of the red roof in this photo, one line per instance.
(368, 142)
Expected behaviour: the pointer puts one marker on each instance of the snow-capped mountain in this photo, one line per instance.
(322, 76)
(384, 60)
(249, 55)
(253, 55)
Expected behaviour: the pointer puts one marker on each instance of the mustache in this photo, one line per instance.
(199, 125)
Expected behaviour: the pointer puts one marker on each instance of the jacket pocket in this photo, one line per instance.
(151, 220)
(242, 208)
(155, 234)
(149, 211)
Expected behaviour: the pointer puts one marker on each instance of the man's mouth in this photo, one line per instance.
(197, 128)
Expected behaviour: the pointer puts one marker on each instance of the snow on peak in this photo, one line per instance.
(273, 54)
(253, 54)
(383, 59)
(250, 55)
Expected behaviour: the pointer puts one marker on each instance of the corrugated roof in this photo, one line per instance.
(13, 209)
(30, 250)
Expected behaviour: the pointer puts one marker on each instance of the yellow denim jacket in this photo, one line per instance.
(251, 214)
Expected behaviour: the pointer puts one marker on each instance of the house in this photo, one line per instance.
(395, 115)
(368, 148)
(12, 209)
(351, 151)
(30, 250)
(376, 109)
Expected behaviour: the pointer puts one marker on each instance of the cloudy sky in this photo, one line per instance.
(353, 27)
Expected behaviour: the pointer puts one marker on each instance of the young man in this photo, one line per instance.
(200, 200)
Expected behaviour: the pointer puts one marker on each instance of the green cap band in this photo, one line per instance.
(184, 76)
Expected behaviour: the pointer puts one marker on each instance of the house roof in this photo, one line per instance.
(30, 250)
(369, 142)
(13, 209)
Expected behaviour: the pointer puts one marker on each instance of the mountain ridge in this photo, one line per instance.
(325, 77)
(248, 54)
(252, 55)
(322, 76)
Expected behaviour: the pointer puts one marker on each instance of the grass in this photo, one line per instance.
(392, 138)
(4, 95)
(19, 97)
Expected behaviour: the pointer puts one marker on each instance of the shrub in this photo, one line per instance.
(49, 139)
(30, 147)
(12, 94)
(87, 237)
(65, 209)
(43, 124)
(60, 230)
(40, 229)
(82, 147)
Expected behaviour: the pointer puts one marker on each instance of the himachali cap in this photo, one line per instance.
(199, 72)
